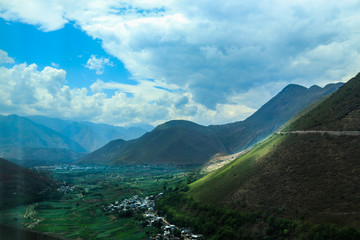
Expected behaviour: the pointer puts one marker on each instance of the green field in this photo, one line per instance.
(79, 213)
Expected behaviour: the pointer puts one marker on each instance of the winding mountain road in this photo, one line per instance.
(336, 133)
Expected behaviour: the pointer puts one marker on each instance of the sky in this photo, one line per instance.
(137, 62)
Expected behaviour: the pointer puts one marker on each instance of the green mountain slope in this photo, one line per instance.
(339, 112)
(240, 135)
(19, 185)
(310, 176)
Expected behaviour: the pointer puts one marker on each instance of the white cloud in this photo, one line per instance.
(218, 53)
(4, 57)
(26, 90)
(213, 48)
(48, 15)
(98, 64)
(55, 65)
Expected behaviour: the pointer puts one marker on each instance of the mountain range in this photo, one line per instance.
(91, 136)
(28, 143)
(310, 170)
(176, 142)
(272, 115)
(37, 140)
(20, 131)
(182, 143)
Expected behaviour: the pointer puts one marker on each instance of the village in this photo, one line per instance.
(146, 205)
(66, 189)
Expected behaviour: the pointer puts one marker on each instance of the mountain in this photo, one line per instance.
(20, 131)
(19, 185)
(175, 142)
(55, 124)
(340, 112)
(187, 143)
(16, 233)
(311, 175)
(240, 135)
(85, 136)
(28, 143)
(38, 140)
(91, 136)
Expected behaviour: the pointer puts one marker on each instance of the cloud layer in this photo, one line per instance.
(219, 54)
(26, 90)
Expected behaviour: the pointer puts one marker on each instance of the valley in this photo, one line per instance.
(86, 192)
(286, 172)
(179, 120)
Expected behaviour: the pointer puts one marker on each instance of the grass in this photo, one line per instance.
(219, 222)
(220, 183)
(313, 177)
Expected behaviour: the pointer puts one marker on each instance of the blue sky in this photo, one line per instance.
(68, 48)
(133, 62)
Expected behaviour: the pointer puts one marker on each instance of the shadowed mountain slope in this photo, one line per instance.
(9, 232)
(175, 142)
(19, 185)
(312, 176)
(187, 143)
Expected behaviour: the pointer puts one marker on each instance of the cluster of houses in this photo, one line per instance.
(135, 204)
(146, 205)
(171, 232)
(68, 167)
(66, 189)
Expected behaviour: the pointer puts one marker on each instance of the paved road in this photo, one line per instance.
(337, 133)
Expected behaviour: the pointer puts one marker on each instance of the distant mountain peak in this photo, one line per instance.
(315, 87)
(293, 86)
(178, 123)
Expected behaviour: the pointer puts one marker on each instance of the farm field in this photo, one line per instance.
(79, 213)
